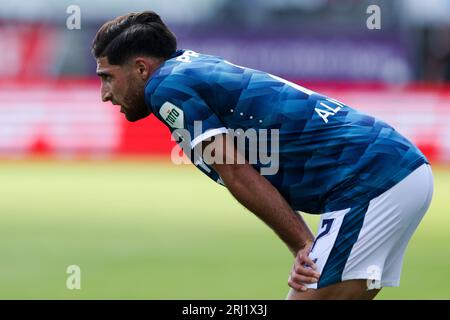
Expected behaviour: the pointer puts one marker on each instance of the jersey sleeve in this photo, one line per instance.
(178, 104)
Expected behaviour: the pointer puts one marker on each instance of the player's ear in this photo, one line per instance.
(142, 67)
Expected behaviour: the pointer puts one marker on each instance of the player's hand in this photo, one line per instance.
(303, 272)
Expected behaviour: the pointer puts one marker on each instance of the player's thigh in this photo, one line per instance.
(346, 290)
(367, 242)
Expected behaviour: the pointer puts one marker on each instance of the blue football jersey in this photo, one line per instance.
(330, 156)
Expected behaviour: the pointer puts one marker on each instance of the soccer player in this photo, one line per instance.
(370, 184)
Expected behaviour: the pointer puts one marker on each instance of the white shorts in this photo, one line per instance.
(372, 249)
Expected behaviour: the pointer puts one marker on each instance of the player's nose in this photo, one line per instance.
(106, 95)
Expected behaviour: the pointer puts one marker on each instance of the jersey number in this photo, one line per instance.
(326, 225)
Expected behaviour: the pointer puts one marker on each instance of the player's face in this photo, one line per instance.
(123, 85)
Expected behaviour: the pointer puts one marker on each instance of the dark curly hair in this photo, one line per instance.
(134, 34)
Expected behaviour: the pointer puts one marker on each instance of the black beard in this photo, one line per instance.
(137, 108)
(135, 115)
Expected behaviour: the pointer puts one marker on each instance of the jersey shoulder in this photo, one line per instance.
(186, 67)
(190, 76)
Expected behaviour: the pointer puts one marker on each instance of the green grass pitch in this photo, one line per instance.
(153, 230)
